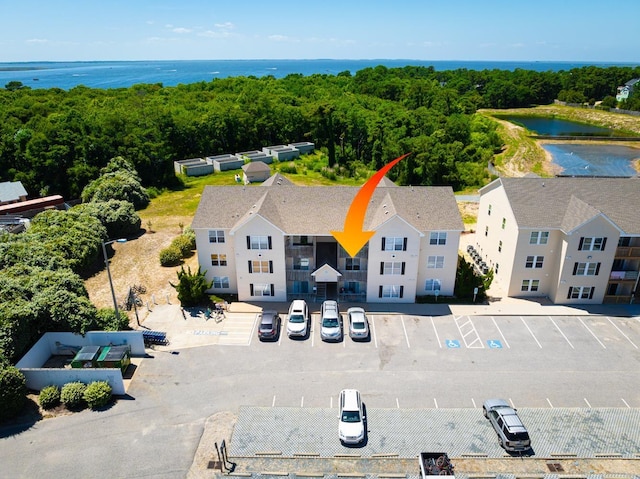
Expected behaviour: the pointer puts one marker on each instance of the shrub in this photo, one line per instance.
(183, 243)
(170, 256)
(72, 395)
(189, 233)
(97, 394)
(13, 392)
(49, 397)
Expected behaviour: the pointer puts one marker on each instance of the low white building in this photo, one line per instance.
(274, 243)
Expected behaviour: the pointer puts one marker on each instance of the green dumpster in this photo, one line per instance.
(115, 357)
(86, 357)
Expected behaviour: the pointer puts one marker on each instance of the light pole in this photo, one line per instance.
(106, 262)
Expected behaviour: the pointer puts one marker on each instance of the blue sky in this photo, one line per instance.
(559, 30)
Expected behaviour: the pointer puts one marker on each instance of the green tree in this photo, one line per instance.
(192, 287)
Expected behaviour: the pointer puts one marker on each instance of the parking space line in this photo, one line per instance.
(397, 403)
(302, 402)
(560, 331)
(470, 329)
(550, 403)
(500, 331)
(331, 402)
(273, 403)
(373, 330)
(473, 401)
(406, 336)
(511, 402)
(592, 333)
(585, 400)
(436, 332)
(532, 335)
(621, 332)
(625, 403)
(435, 401)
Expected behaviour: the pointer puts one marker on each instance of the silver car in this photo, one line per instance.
(330, 321)
(351, 428)
(512, 435)
(358, 323)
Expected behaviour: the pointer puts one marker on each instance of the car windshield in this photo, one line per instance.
(350, 416)
(296, 318)
(330, 322)
(518, 436)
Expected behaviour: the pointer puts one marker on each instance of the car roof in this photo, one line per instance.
(350, 398)
(268, 316)
(496, 403)
(298, 304)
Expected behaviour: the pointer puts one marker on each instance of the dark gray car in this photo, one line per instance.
(269, 328)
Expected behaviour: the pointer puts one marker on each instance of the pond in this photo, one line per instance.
(594, 160)
(556, 127)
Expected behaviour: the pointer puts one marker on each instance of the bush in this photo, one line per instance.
(72, 395)
(13, 392)
(97, 394)
(170, 256)
(183, 243)
(189, 233)
(49, 397)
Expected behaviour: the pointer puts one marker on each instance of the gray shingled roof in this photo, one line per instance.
(11, 191)
(551, 202)
(317, 210)
(276, 179)
(255, 167)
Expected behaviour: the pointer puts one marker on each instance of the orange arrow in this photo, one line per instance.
(353, 238)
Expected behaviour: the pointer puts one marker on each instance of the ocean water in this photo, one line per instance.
(119, 74)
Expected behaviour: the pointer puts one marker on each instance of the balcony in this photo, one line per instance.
(628, 252)
(623, 276)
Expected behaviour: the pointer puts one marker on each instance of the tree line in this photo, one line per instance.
(56, 141)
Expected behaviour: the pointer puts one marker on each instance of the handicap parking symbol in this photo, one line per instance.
(494, 344)
(452, 343)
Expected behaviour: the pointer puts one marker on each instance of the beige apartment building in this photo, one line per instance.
(273, 243)
(572, 240)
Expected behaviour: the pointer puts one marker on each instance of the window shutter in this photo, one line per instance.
(401, 291)
(597, 269)
(269, 241)
(570, 291)
(604, 242)
(250, 289)
(250, 266)
(380, 292)
(381, 267)
(591, 293)
(384, 241)
(270, 266)
(575, 268)
(403, 264)
(580, 244)
(248, 242)
(272, 289)
(404, 245)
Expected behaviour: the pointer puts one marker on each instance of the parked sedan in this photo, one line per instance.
(269, 328)
(358, 323)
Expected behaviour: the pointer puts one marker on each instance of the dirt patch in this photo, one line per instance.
(137, 262)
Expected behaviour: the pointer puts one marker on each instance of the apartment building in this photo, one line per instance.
(273, 242)
(573, 240)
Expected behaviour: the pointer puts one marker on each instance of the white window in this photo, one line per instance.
(534, 262)
(391, 291)
(539, 237)
(592, 244)
(260, 266)
(530, 285)
(260, 289)
(504, 222)
(301, 264)
(392, 267)
(580, 292)
(220, 281)
(435, 262)
(216, 236)
(391, 243)
(499, 246)
(586, 269)
(259, 242)
(432, 285)
(489, 211)
(218, 260)
(438, 237)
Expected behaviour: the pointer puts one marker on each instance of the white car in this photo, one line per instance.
(351, 419)
(298, 321)
(512, 435)
(358, 323)
(330, 321)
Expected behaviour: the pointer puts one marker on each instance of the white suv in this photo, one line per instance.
(351, 419)
(298, 321)
(512, 435)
